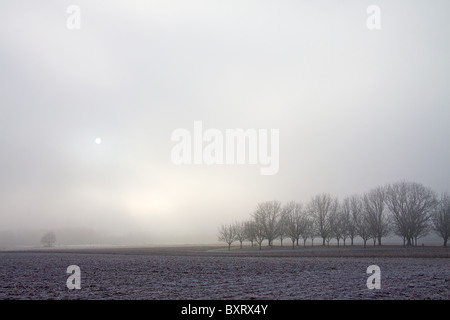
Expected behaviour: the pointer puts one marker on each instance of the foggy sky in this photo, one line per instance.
(355, 108)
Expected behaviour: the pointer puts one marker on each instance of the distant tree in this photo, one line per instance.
(266, 217)
(307, 230)
(227, 234)
(349, 207)
(345, 219)
(334, 224)
(282, 228)
(338, 225)
(328, 238)
(260, 233)
(321, 208)
(411, 205)
(292, 217)
(239, 232)
(363, 227)
(441, 218)
(360, 218)
(311, 231)
(374, 205)
(250, 231)
(408, 209)
(48, 239)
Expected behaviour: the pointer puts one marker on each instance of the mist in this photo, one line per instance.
(355, 109)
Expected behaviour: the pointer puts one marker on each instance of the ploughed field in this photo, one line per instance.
(216, 273)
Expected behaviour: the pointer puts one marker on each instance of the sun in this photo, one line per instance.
(98, 140)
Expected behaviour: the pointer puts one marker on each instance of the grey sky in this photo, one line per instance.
(355, 108)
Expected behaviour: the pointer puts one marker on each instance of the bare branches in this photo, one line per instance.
(441, 218)
(374, 205)
(48, 239)
(321, 207)
(293, 221)
(347, 221)
(411, 205)
(227, 234)
(266, 217)
(407, 209)
(360, 218)
(250, 231)
(239, 232)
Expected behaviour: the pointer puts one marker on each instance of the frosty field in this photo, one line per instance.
(214, 273)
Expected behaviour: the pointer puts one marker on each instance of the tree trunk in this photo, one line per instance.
(229, 246)
(351, 242)
(293, 243)
(408, 242)
(304, 242)
(379, 241)
(323, 243)
(297, 242)
(240, 247)
(365, 243)
(445, 241)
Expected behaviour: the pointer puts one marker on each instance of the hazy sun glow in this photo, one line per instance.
(144, 206)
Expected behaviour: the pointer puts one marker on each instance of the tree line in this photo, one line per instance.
(406, 209)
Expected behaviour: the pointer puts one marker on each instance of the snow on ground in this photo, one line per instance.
(42, 275)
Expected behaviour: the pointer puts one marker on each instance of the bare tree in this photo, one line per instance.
(308, 230)
(266, 217)
(328, 238)
(348, 222)
(335, 227)
(320, 208)
(360, 218)
(227, 234)
(250, 231)
(344, 224)
(260, 233)
(363, 226)
(339, 226)
(292, 216)
(312, 232)
(441, 218)
(282, 227)
(239, 232)
(374, 205)
(48, 239)
(410, 205)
